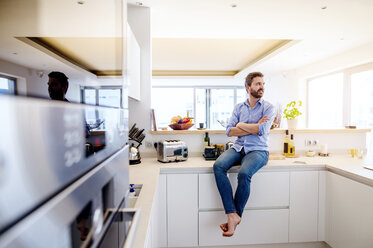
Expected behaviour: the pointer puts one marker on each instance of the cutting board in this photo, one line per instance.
(276, 156)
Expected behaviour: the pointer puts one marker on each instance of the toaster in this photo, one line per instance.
(171, 151)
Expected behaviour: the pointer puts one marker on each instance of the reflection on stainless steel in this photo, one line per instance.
(62, 195)
(56, 216)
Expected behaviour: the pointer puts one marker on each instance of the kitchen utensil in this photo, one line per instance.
(209, 153)
(171, 150)
(134, 155)
(136, 136)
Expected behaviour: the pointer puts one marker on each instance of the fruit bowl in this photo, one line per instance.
(183, 126)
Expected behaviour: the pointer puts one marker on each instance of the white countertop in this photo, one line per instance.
(147, 172)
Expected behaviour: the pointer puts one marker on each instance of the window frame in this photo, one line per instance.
(208, 94)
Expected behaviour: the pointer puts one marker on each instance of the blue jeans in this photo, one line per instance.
(250, 164)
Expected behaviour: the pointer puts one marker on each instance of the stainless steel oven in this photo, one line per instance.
(63, 175)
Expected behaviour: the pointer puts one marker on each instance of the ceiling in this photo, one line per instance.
(190, 37)
(318, 29)
(182, 56)
(101, 56)
(86, 37)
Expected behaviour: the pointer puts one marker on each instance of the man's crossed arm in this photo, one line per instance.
(242, 129)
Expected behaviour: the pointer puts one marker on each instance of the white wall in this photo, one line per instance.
(338, 143)
(30, 82)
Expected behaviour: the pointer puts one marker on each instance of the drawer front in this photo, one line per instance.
(257, 227)
(268, 189)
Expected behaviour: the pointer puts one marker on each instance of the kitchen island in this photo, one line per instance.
(152, 228)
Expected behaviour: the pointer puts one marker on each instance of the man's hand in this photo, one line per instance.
(263, 119)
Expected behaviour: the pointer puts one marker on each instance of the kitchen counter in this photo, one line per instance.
(148, 171)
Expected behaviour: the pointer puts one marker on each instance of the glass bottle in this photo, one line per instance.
(207, 139)
(286, 144)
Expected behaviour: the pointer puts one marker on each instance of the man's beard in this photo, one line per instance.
(256, 93)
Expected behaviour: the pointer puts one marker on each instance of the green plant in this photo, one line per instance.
(291, 111)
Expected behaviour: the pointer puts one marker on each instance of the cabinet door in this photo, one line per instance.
(263, 226)
(209, 197)
(304, 202)
(182, 208)
(349, 218)
(268, 189)
(322, 206)
(133, 65)
(159, 214)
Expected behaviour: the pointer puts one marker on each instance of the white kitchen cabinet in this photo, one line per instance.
(182, 210)
(304, 203)
(133, 65)
(159, 214)
(322, 206)
(209, 197)
(268, 189)
(262, 226)
(349, 216)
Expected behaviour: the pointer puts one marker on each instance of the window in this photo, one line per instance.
(211, 106)
(343, 98)
(7, 85)
(361, 99)
(168, 102)
(325, 101)
(107, 96)
(221, 107)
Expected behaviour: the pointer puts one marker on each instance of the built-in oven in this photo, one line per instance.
(63, 175)
(88, 213)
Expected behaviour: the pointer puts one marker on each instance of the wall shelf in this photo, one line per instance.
(341, 130)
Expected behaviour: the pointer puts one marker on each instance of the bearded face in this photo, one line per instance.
(257, 87)
(257, 93)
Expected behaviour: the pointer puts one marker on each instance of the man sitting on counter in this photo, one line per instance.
(250, 122)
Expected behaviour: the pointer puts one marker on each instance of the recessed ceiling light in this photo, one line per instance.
(234, 5)
(324, 7)
(139, 3)
(81, 2)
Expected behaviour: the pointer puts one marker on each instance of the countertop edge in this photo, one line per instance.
(350, 175)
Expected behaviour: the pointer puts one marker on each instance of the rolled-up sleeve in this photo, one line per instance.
(264, 127)
(233, 120)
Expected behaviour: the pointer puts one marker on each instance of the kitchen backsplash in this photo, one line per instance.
(336, 142)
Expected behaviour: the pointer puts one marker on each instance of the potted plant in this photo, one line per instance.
(291, 112)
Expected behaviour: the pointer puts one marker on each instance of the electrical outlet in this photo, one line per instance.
(315, 142)
(308, 142)
(148, 144)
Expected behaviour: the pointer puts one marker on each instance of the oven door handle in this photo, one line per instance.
(130, 236)
(132, 230)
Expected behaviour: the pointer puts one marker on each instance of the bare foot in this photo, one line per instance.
(224, 227)
(233, 220)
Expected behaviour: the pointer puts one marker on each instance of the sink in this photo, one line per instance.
(133, 198)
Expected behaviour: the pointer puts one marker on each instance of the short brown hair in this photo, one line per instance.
(251, 76)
